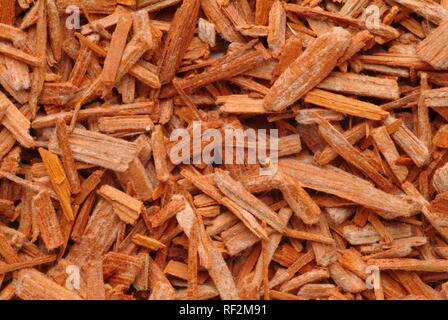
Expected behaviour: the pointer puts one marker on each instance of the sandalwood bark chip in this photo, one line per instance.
(15, 121)
(345, 105)
(236, 192)
(223, 149)
(310, 68)
(178, 39)
(33, 285)
(432, 50)
(99, 149)
(48, 221)
(58, 180)
(125, 206)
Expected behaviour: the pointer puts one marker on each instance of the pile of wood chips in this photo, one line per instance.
(91, 206)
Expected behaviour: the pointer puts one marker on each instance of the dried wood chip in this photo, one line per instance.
(413, 146)
(222, 23)
(147, 242)
(67, 156)
(436, 265)
(16, 122)
(6, 268)
(277, 28)
(209, 255)
(115, 51)
(178, 39)
(94, 279)
(310, 68)
(99, 149)
(55, 30)
(440, 137)
(17, 54)
(347, 186)
(430, 49)
(307, 277)
(361, 85)
(236, 192)
(160, 154)
(228, 66)
(314, 13)
(8, 253)
(34, 285)
(58, 180)
(49, 226)
(431, 11)
(206, 32)
(40, 50)
(160, 285)
(337, 141)
(100, 233)
(387, 147)
(345, 105)
(125, 206)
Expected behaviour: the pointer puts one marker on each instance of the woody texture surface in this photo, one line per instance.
(93, 206)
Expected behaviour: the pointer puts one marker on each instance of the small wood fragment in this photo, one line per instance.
(147, 242)
(67, 156)
(49, 226)
(59, 181)
(125, 206)
(288, 88)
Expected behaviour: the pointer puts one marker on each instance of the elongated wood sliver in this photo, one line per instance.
(310, 68)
